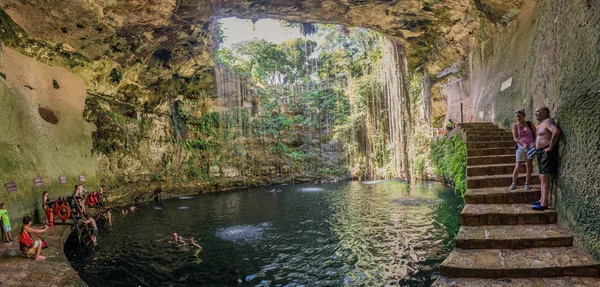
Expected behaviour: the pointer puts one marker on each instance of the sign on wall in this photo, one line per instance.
(11, 187)
(506, 84)
(62, 179)
(37, 182)
(82, 178)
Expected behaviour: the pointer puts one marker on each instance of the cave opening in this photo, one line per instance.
(315, 100)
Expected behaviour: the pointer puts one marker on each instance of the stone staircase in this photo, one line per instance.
(502, 241)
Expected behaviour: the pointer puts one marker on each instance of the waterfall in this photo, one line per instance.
(233, 92)
(176, 123)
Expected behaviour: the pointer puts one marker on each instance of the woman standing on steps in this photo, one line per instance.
(524, 137)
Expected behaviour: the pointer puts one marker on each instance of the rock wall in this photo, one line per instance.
(42, 132)
(137, 58)
(548, 56)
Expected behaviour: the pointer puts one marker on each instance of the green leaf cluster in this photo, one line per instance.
(448, 158)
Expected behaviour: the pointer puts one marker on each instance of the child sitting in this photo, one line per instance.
(5, 222)
(31, 247)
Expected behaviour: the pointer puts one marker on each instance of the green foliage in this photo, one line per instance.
(156, 177)
(449, 159)
(116, 75)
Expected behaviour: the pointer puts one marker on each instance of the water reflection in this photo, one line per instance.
(352, 234)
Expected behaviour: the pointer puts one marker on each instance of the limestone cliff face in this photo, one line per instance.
(42, 132)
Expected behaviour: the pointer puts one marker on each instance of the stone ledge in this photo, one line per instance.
(519, 263)
(503, 180)
(491, 144)
(512, 236)
(505, 214)
(56, 270)
(491, 151)
(490, 159)
(501, 195)
(518, 282)
(493, 169)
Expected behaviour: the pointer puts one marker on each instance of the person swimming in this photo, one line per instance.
(177, 240)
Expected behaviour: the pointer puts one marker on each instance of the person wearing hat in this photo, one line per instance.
(524, 136)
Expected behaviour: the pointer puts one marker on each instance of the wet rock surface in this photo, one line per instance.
(55, 270)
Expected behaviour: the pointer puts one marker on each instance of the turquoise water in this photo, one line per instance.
(346, 234)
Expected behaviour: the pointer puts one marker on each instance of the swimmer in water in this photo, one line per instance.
(194, 244)
(177, 240)
(198, 249)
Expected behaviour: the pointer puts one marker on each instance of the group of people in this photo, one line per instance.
(178, 241)
(31, 247)
(536, 142)
(131, 209)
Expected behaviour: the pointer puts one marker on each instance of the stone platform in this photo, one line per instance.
(16, 270)
(519, 282)
(502, 241)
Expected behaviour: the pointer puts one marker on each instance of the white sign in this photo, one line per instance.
(506, 84)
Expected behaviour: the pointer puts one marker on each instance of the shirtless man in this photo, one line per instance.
(92, 223)
(545, 144)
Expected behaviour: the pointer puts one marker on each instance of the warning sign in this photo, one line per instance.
(11, 187)
(82, 178)
(37, 182)
(62, 179)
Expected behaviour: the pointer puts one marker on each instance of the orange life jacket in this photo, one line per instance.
(25, 239)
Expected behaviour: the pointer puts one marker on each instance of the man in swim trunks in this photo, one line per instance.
(547, 153)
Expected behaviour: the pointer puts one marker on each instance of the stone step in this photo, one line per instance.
(505, 214)
(490, 144)
(484, 132)
(501, 195)
(477, 124)
(499, 180)
(490, 159)
(519, 263)
(488, 133)
(476, 131)
(444, 281)
(491, 151)
(487, 138)
(512, 236)
(493, 169)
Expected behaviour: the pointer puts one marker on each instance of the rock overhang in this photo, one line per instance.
(434, 33)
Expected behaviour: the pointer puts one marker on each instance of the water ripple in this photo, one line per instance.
(355, 234)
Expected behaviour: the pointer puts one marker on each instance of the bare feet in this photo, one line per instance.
(40, 258)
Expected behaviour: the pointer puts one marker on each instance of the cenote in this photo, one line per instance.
(337, 234)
